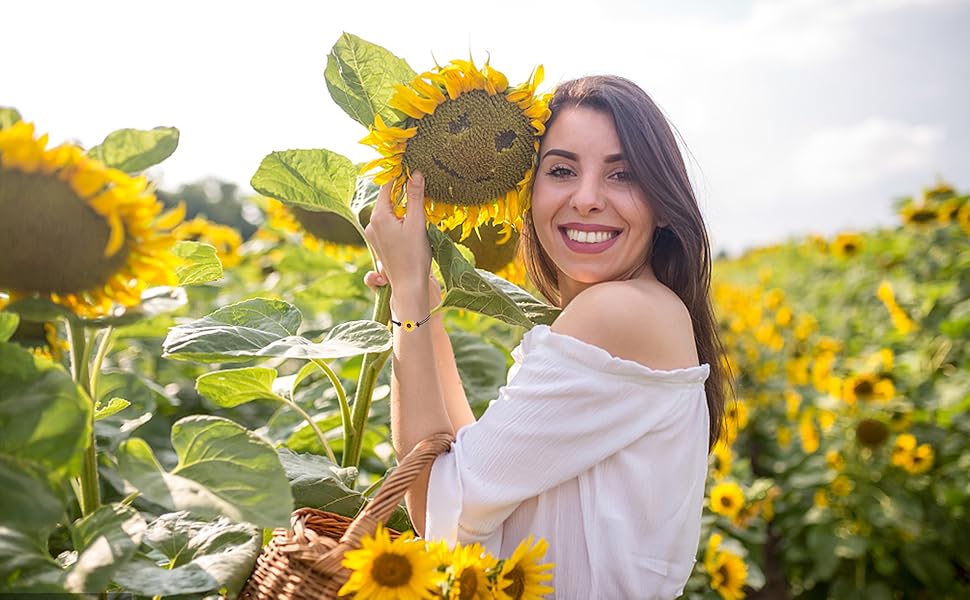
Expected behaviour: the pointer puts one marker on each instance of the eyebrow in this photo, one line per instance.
(611, 158)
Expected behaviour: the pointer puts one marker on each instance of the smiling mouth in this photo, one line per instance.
(441, 165)
(589, 237)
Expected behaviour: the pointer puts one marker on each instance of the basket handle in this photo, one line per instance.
(392, 491)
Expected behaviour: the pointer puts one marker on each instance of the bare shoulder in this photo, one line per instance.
(643, 321)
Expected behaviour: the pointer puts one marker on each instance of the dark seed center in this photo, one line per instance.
(50, 239)
(391, 570)
(473, 149)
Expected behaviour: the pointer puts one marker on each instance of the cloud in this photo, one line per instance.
(864, 153)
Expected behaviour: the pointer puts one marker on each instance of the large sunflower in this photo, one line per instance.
(84, 235)
(474, 138)
(522, 576)
(401, 569)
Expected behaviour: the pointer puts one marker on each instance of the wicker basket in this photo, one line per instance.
(303, 563)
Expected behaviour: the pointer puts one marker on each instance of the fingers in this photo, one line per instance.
(415, 207)
(383, 208)
(374, 280)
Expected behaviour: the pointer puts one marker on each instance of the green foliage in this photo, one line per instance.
(134, 150)
(43, 414)
(201, 263)
(267, 328)
(311, 179)
(474, 289)
(361, 77)
(223, 469)
(8, 116)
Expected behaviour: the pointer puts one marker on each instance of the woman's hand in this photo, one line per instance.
(401, 245)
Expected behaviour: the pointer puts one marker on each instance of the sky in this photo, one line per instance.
(796, 116)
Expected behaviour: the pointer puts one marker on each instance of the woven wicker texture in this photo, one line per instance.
(303, 562)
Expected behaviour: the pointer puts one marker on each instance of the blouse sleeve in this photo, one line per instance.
(567, 407)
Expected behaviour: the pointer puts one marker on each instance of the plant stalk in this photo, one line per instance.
(81, 345)
(313, 425)
(371, 366)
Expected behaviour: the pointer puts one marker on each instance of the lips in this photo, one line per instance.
(589, 247)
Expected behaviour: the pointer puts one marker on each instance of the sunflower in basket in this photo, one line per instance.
(401, 569)
(86, 236)
(522, 575)
(472, 136)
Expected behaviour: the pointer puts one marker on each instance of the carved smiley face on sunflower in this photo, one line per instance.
(473, 137)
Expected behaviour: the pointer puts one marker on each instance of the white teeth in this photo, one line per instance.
(590, 237)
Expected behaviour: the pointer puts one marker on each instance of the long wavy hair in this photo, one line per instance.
(680, 253)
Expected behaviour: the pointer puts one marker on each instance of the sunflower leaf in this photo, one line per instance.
(134, 150)
(481, 367)
(232, 387)
(311, 179)
(8, 116)
(204, 555)
(200, 263)
(361, 77)
(265, 328)
(8, 325)
(318, 483)
(223, 469)
(34, 509)
(483, 292)
(43, 414)
(113, 407)
(39, 310)
(154, 301)
(105, 539)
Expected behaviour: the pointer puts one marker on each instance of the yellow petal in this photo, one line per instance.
(172, 217)
(117, 237)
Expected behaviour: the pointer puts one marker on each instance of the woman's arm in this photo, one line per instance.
(417, 404)
(449, 380)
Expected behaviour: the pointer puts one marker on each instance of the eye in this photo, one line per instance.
(504, 140)
(623, 176)
(559, 171)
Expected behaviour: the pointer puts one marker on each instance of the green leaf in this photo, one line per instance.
(361, 77)
(264, 328)
(25, 563)
(8, 325)
(311, 179)
(201, 263)
(928, 566)
(318, 483)
(33, 509)
(113, 407)
(204, 556)
(141, 405)
(43, 414)
(104, 540)
(232, 387)
(40, 310)
(133, 150)
(481, 366)
(483, 292)
(223, 469)
(8, 116)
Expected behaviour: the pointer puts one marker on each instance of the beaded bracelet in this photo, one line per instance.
(409, 325)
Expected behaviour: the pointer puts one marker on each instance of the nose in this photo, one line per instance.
(588, 196)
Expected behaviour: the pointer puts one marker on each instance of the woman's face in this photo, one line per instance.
(592, 219)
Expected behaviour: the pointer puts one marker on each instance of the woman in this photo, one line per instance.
(599, 441)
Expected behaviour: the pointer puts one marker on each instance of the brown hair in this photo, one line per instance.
(680, 253)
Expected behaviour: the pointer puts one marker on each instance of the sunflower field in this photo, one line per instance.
(172, 389)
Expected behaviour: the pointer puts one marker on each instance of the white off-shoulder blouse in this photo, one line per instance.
(603, 457)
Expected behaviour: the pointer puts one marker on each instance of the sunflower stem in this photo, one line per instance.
(370, 367)
(81, 345)
(306, 416)
(345, 416)
(103, 347)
